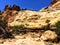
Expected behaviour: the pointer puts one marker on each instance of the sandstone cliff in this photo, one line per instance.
(31, 20)
(34, 19)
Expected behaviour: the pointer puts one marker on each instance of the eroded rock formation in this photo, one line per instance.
(33, 20)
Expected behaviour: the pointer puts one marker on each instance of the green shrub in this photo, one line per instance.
(47, 27)
(44, 27)
(3, 24)
(4, 33)
(17, 29)
(57, 28)
(47, 21)
(20, 29)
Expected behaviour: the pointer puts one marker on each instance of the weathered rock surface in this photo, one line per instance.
(27, 41)
(48, 35)
(33, 19)
(31, 39)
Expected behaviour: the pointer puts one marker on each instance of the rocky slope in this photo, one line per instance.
(32, 38)
(32, 20)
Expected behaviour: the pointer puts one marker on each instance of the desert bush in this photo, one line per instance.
(47, 27)
(57, 28)
(47, 21)
(18, 29)
(3, 24)
(48, 24)
(4, 33)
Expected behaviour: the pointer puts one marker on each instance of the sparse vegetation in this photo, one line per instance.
(47, 27)
(20, 29)
(4, 33)
(35, 31)
(47, 21)
(44, 27)
(58, 29)
(48, 24)
(17, 29)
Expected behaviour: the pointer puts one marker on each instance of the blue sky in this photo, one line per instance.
(29, 4)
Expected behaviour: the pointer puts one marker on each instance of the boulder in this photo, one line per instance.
(50, 35)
